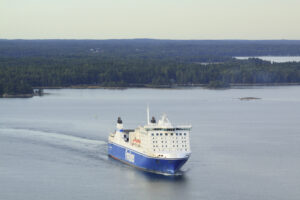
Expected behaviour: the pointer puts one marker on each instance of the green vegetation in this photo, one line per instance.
(217, 84)
(125, 63)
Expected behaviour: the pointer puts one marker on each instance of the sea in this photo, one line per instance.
(273, 59)
(55, 146)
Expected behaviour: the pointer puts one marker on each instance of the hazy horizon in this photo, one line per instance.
(139, 19)
(164, 39)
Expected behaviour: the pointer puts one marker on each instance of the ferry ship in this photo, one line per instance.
(157, 147)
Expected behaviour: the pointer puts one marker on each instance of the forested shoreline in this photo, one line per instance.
(25, 65)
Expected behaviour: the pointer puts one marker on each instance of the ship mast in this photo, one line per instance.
(148, 115)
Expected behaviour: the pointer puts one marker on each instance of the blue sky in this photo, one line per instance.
(163, 19)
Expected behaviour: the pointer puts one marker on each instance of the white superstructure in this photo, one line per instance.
(156, 139)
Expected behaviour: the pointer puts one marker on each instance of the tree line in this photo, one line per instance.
(28, 64)
(19, 76)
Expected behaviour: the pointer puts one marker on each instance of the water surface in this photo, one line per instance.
(275, 59)
(55, 146)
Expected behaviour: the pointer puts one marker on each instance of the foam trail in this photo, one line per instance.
(53, 138)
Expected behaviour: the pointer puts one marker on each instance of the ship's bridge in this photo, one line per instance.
(164, 122)
(165, 125)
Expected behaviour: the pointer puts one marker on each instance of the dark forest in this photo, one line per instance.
(28, 64)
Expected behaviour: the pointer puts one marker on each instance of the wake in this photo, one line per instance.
(88, 147)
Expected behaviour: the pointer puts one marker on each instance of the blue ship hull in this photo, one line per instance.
(142, 161)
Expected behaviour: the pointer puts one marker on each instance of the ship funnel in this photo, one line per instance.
(153, 120)
(119, 120)
(119, 124)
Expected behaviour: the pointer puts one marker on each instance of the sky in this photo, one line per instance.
(158, 19)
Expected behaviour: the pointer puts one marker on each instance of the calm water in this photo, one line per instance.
(54, 147)
(277, 59)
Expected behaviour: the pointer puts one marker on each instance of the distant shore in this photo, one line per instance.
(175, 86)
(162, 86)
(144, 63)
(35, 92)
(17, 95)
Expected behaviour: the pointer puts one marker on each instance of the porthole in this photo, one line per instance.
(171, 134)
(180, 134)
(176, 133)
(162, 141)
(156, 134)
(184, 133)
(152, 134)
(160, 134)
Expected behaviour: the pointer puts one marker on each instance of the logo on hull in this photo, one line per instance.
(129, 156)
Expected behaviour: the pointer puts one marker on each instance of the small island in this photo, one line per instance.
(249, 98)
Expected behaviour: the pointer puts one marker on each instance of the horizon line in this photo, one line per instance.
(152, 39)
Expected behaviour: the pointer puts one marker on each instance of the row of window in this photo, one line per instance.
(183, 141)
(167, 146)
(176, 149)
(166, 134)
(168, 129)
(166, 138)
